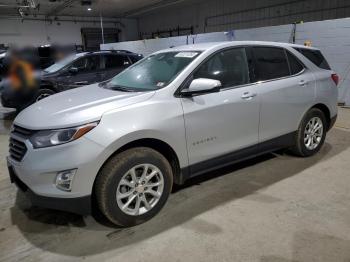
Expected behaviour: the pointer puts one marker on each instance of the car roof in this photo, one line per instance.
(123, 52)
(218, 45)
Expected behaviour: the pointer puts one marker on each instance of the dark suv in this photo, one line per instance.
(73, 71)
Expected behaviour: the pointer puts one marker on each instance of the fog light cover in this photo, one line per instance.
(64, 179)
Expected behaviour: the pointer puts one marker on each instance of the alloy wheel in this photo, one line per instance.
(140, 189)
(313, 133)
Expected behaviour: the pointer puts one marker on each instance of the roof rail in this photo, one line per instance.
(118, 51)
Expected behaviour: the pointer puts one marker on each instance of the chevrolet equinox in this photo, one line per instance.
(173, 115)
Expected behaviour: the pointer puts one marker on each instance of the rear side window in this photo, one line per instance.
(116, 61)
(230, 67)
(295, 65)
(271, 63)
(134, 59)
(315, 56)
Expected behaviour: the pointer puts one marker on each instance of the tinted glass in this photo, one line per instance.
(230, 67)
(116, 61)
(134, 59)
(271, 63)
(153, 72)
(295, 65)
(316, 57)
(87, 64)
(62, 63)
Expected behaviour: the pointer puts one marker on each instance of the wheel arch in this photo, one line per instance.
(48, 85)
(325, 111)
(158, 145)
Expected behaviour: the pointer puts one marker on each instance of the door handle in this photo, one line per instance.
(248, 95)
(81, 83)
(302, 83)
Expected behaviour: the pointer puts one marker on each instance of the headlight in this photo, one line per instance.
(48, 138)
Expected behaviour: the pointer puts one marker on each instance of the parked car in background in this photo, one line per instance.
(174, 115)
(2, 65)
(74, 71)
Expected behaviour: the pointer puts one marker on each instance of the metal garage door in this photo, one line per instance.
(92, 37)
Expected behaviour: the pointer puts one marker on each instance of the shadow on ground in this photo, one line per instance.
(46, 228)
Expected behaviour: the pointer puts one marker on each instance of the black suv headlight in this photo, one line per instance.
(56, 137)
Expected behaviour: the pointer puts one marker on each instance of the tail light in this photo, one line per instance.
(335, 78)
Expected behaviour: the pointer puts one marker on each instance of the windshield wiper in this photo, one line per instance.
(118, 88)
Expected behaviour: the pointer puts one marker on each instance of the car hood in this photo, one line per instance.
(43, 74)
(75, 107)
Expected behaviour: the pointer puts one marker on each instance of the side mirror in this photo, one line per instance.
(202, 86)
(73, 70)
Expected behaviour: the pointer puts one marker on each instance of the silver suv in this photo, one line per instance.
(174, 115)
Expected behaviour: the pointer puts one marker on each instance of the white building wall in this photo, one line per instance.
(40, 32)
(147, 47)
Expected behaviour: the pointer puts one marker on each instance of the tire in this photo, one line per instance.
(42, 93)
(303, 145)
(108, 186)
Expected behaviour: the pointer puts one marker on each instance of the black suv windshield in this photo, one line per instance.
(153, 72)
(62, 63)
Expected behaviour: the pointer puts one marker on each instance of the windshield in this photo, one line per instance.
(153, 72)
(62, 63)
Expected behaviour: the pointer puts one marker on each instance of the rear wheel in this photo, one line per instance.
(133, 186)
(311, 133)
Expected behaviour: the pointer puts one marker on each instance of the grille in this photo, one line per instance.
(17, 147)
(22, 132)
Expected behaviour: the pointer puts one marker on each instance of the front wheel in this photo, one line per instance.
(133, 186)
(43, 93)
(311, 133)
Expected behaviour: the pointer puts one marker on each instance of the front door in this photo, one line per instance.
(88, 72)
(220, 125)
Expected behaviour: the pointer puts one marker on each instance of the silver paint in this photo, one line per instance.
(236, 117)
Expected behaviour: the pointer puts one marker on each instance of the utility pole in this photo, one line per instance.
(102, 33)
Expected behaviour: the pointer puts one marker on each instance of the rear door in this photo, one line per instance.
(114, 64)
(286, 89)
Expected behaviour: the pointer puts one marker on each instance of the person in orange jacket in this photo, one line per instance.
(21, 75)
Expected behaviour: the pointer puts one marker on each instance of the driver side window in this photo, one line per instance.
(229, 66)
(87, 64)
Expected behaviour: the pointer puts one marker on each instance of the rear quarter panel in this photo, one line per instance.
(326, 90)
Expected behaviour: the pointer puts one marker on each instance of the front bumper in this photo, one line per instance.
(79, 205)
(36, 174)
